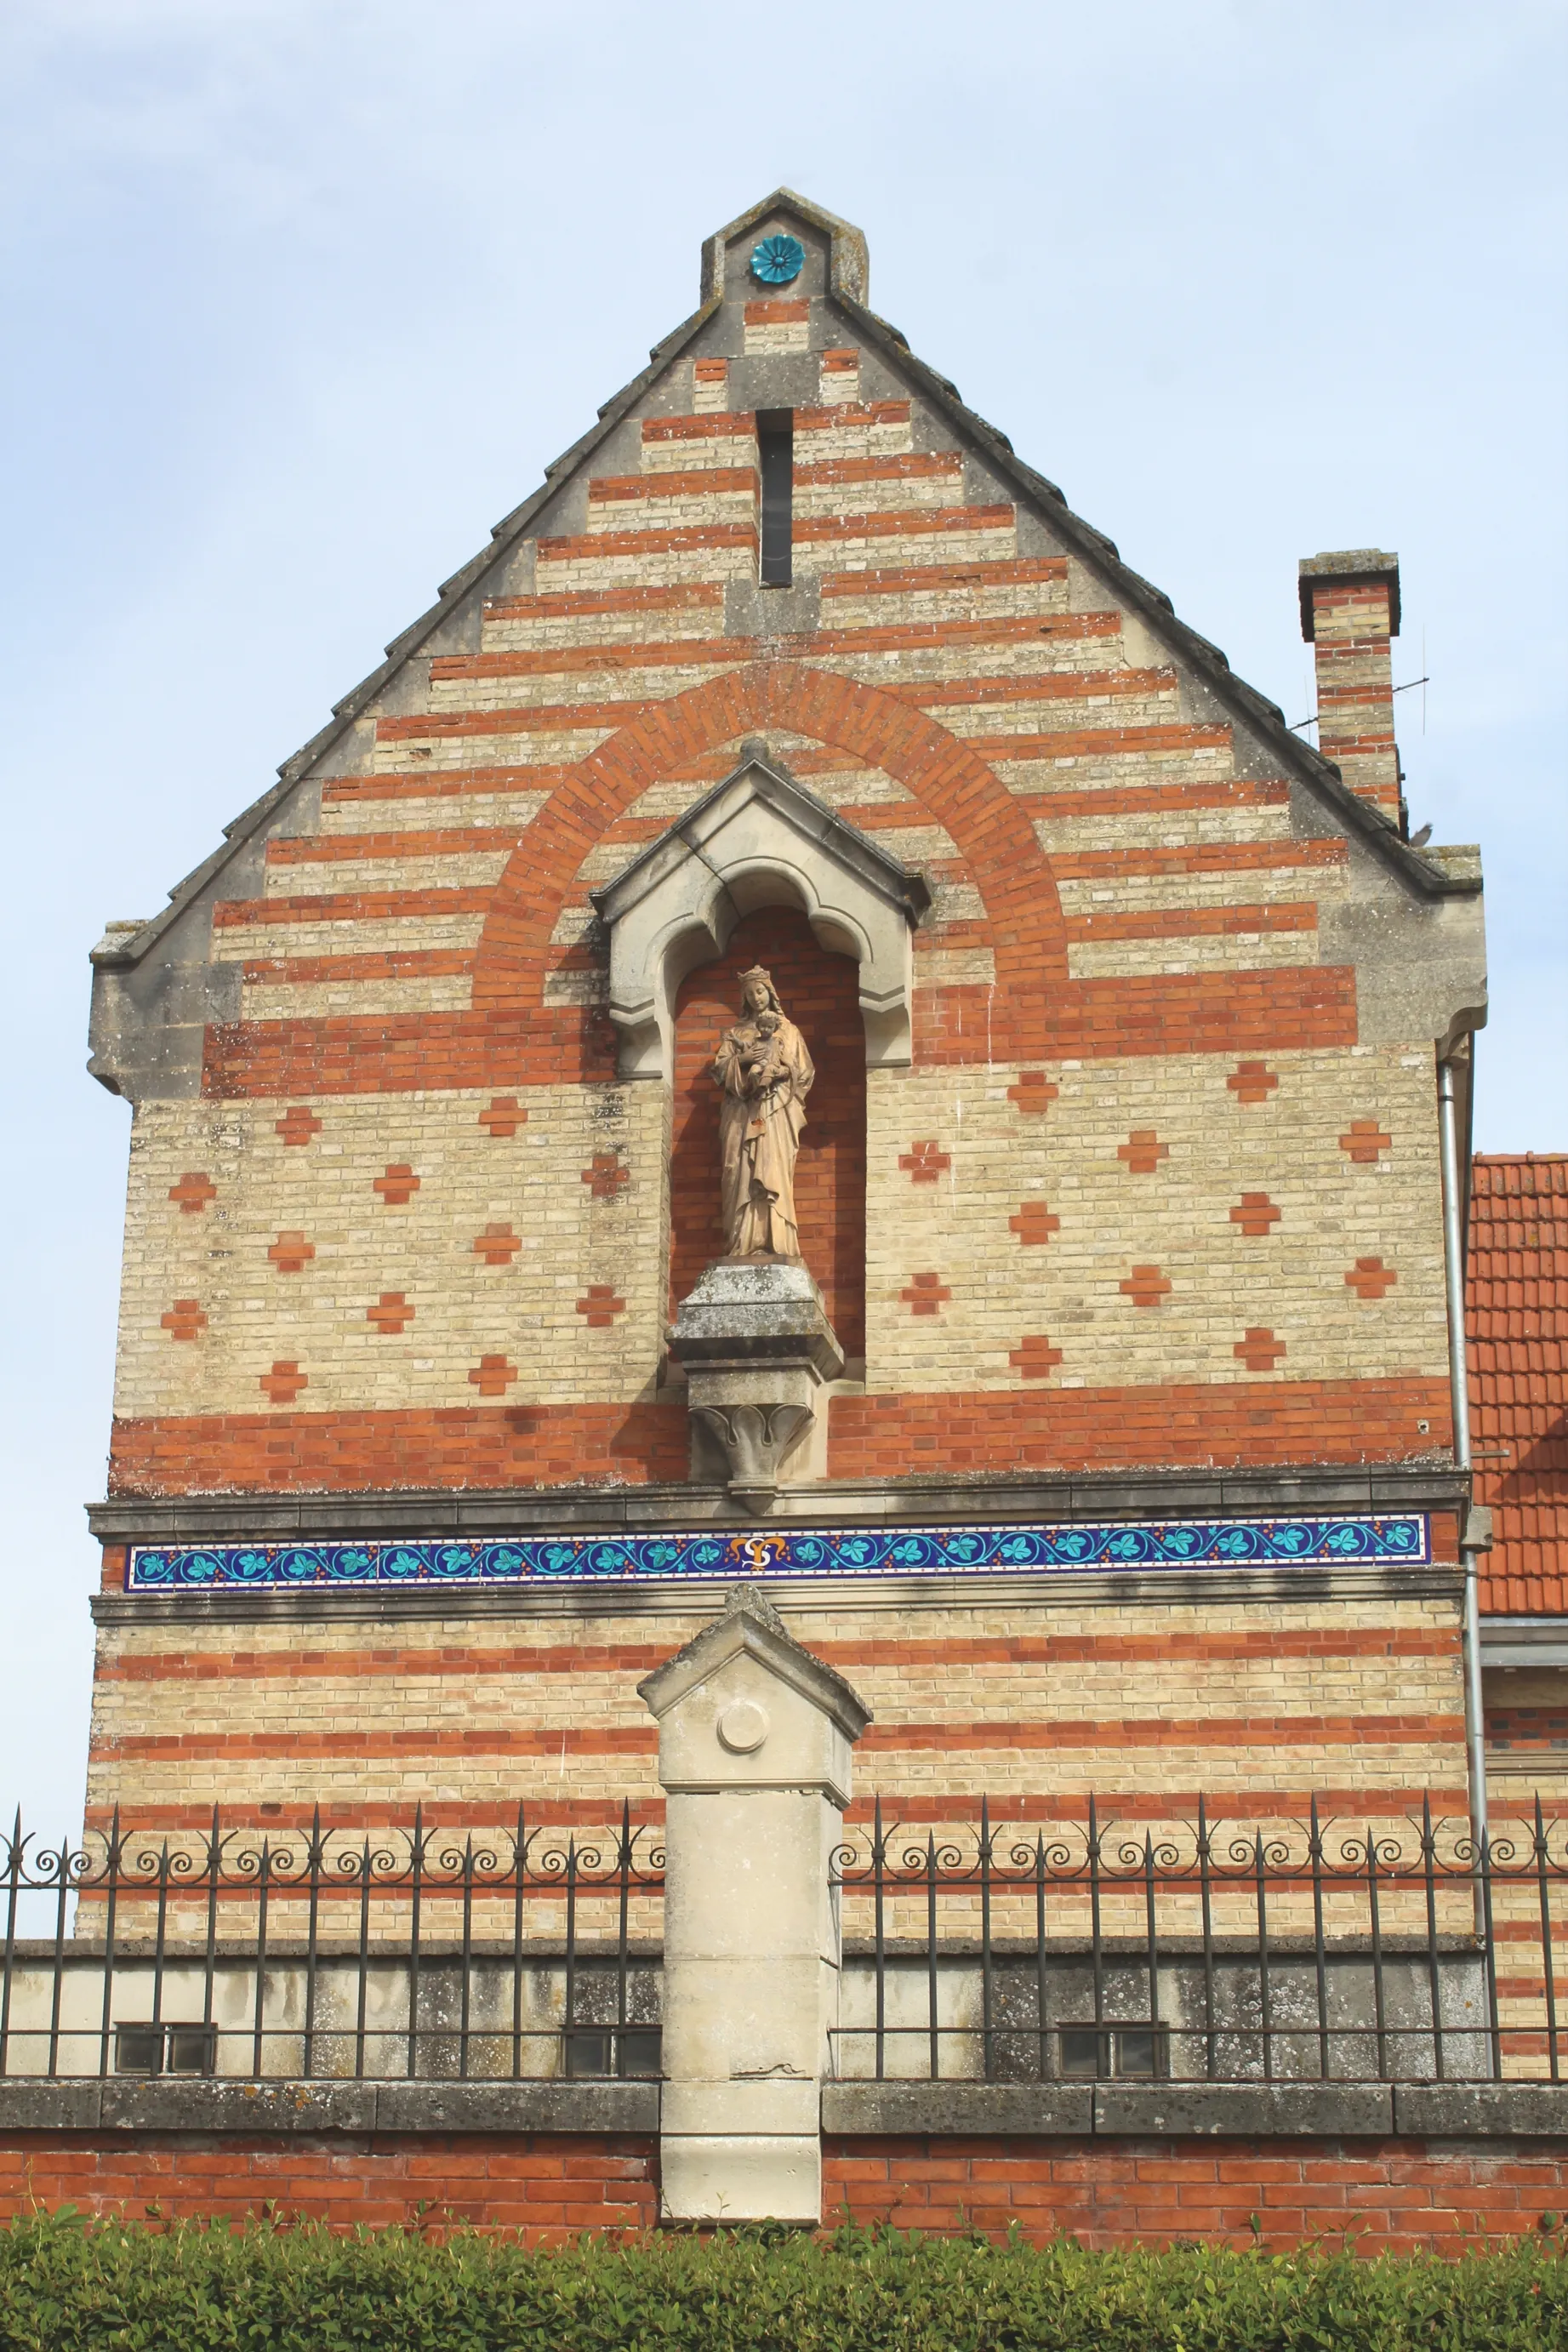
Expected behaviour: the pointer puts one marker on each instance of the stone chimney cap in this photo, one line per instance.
(1347, 567)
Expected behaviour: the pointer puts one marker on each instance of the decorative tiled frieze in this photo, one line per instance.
(793, 1552)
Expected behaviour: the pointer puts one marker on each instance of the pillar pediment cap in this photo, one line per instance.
(750, 1623)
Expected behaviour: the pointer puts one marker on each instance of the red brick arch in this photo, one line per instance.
(952, 784)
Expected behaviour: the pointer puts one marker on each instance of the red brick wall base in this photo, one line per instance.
(1399, 2195)
(1404, 2195)
(543, 2184)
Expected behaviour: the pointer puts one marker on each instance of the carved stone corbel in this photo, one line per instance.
(757, 1347)
(755, 1439)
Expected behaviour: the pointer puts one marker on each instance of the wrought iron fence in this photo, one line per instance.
(1191, 1951)
(1183, 1950)
(410, 1952)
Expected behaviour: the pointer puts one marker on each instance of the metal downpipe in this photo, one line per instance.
(1458, 1377)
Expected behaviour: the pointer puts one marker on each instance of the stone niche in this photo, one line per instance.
(759, 839)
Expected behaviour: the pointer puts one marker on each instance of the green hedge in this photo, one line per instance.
(65, 2285)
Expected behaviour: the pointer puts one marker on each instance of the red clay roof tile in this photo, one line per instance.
(1517, 1324)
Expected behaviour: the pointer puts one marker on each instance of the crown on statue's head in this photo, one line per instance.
(760, 971)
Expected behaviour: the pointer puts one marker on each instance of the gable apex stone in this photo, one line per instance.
(848, 268)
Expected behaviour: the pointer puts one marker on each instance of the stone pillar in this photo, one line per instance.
(1350, 611)
(755, 1740)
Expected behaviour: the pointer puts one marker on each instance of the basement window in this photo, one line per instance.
(149, 2050)
(597, 2050)
(776, 462)
(1128, 2053)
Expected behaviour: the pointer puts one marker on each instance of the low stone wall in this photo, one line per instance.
(1405, 2167)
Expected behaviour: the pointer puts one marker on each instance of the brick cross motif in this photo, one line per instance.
(192, 1192)
(503, 1117)
(493, 1375)
(1363, 1141)
(1255, 1214)
(1252, 1082)
(606, 1177)
(1147, 1286)
(1143, 1151)
(923, 1163)
(600, 1307)
(298, 1124)
(1369, 1277)
(283, 1383)
(291, 1253)
(1034, 1358)
(1034, 1223)
(1259, 1349)
(184, 1319)
(926, 1293)
(391, 1314)
(498, 1246)
(1034, 1092)
(398, 1185)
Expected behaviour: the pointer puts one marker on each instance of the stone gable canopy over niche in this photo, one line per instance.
(759, 839)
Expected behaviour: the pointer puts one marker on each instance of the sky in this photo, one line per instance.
(301, 296)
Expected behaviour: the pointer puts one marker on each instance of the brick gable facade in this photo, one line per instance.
(1146, 1227)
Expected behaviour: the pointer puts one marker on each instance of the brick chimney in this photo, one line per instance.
(1350, 610)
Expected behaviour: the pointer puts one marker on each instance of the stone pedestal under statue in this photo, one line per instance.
(756, 1349)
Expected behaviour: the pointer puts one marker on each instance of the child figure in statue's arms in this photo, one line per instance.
(765, 1060)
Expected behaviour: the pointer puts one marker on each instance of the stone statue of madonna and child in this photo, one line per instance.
(764, 1074)
(753, 1336)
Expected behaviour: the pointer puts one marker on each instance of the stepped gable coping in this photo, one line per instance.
(124, 944)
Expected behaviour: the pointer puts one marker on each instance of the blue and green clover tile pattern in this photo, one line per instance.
(795, 1552)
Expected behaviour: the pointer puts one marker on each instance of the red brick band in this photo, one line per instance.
(1260, 1421)
(951, 1740)
(464, 1445)
(911, 1809)
(514, 1658)
(1257, 1422)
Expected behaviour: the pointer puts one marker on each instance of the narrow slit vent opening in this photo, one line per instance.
(776, 461)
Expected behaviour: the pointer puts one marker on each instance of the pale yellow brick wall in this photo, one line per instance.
(1373, 1704)
(466, 1307)
(1178, 1218)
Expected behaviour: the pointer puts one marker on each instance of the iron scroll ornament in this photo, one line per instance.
(777, 260)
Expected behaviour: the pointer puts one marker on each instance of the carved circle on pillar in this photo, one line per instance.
(743, 1726)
